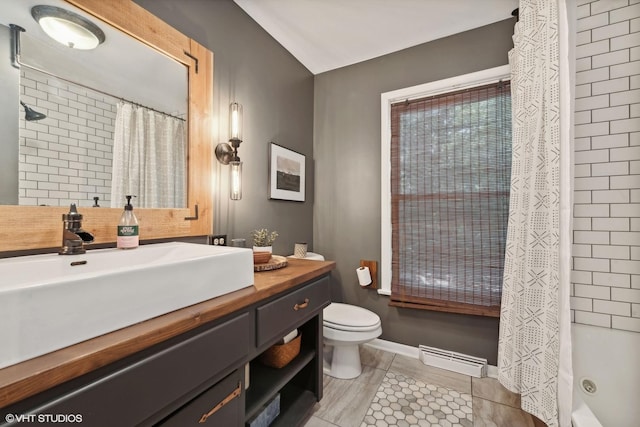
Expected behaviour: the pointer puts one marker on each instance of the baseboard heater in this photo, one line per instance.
(452, 361)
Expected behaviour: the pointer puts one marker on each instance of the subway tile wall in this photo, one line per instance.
(66, 157)
(606, 238)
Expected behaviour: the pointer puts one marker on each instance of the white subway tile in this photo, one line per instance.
(616, 57)
(635, 196)
(69, 187)
(611, 113)
(591, 237)
(628, 69)
(593, 21)
(611, 279)
(608, 169)
(590, 76)
(634, 110)
(625, 238)
(592, 156)
(625, 98)
(590, 291)
(625, 13)
(583, 11)
(629, 153)
(583, 64)
(635, 226)
(626, 295)
(583, 91)
(634, 139)
(625, 323)
(625, 266)
(610, 196)
(580, 197)
(582, 117)
(582, 144)
(607, 5)
(628, 210)
(593, 183)
(583, 170)
(610, 141)
(610, 86)
(635, 310)
(610, 224)
(612, 307)
(592, 264)
(635, 281)
(583, 304)
(582, 277)
(610, 31)
(591, 211)
(594, 319)
(625, 126)
(583, 251)
(611, 252)
(625, 182)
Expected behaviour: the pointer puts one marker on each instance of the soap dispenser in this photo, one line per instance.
(128, 228)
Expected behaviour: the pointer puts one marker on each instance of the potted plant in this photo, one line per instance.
(263, 239)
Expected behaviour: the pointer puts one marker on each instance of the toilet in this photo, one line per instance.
(345, 327)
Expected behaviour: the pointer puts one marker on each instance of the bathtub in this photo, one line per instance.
(606, 377)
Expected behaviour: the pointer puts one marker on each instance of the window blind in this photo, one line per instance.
(450, 180)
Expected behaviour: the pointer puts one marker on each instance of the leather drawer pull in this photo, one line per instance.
(305, 304)
(235, 393)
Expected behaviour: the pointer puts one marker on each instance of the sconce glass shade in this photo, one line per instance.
(235, 180)
(235, 122)
(68, 28)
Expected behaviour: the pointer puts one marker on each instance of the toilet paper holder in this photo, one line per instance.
(373, 269)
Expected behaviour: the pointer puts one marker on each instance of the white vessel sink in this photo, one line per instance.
(51, 301)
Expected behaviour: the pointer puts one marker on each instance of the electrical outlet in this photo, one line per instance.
(218, 240)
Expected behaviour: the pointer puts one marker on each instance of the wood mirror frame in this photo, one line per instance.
(36, 227)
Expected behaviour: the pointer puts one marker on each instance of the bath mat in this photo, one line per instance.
(402, 401)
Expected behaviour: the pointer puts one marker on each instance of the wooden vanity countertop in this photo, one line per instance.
(25, 379)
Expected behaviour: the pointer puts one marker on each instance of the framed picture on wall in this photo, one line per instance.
(286, 174)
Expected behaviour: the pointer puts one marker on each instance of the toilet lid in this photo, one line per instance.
(348, 317)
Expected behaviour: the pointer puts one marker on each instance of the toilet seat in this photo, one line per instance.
(350, 318)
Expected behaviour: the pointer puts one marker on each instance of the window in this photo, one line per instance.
(449, 157)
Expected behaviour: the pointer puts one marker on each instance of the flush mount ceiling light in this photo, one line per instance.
(68, 28)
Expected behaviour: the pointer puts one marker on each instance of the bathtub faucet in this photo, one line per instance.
(73, 236)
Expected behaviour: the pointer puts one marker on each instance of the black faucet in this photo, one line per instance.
(73, 236)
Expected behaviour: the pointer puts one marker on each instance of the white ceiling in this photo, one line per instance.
(328, 34)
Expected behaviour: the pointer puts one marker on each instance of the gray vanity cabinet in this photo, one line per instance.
(198, 378)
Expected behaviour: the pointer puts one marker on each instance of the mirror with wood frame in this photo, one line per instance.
(35, 227)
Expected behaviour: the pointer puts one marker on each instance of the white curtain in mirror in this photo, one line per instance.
(149, 158)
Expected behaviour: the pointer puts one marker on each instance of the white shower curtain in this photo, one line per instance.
(149, 158)
(534, 350)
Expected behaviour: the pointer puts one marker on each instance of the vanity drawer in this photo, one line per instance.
(221, 405)
(133, 394)
(277, 318)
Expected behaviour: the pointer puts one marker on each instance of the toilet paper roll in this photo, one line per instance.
(364, 276)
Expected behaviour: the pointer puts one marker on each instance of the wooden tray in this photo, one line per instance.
(274, 263)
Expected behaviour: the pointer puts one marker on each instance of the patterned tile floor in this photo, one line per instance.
(402, 401)
(396, 390)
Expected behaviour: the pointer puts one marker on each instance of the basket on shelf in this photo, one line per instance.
(279, 355)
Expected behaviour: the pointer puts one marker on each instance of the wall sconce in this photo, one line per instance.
(228, 154)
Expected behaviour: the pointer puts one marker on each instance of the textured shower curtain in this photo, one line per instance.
(149, 158)
(534, 349)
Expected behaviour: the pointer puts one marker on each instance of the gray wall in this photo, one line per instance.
(276, 92)
(347, 152)
(9, 111)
